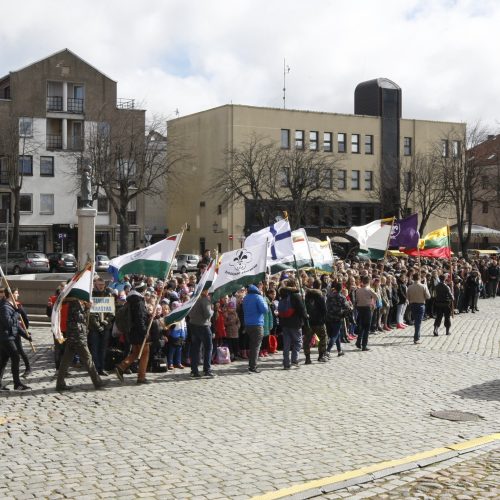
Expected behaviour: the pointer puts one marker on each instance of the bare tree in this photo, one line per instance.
(17, 147)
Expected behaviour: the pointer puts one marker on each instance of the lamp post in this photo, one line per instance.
(241, 239)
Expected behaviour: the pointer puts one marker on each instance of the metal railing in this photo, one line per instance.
(125, 103)
(54, 103)
(54, 141)
(75, 105)
(75, 143)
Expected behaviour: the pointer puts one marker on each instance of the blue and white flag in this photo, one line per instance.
(279, 238)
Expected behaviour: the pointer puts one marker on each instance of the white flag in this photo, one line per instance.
(279, 238)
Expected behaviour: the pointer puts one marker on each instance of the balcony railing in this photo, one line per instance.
(125, 103)
(75, 143)
(54, 103)
(75, 105)
(54, 141)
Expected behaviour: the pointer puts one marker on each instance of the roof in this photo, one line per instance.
(486, 153)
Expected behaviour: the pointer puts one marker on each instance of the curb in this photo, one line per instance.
(330, 484)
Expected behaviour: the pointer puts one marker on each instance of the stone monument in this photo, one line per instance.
(86, 219)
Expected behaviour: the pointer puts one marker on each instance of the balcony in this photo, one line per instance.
(54, 103)
(54, 142)
(75, 143)
(74, 105)
(125, 103)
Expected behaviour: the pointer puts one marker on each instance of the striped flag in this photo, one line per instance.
(80, 287)
(279, 238)
(301, 252)
(434, 244)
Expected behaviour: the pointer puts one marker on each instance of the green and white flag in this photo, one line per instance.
(301, 251)
(154, 260)
(373, 238)
(322, 255)
(240, 268)
(182, 311)
(80, 287)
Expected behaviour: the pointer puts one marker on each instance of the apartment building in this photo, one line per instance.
(371, 145)
(55, 103)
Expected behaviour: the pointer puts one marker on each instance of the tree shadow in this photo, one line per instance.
(489, 391)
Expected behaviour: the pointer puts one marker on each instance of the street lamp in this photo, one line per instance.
(242, 239)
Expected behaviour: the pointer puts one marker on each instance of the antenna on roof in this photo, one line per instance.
(286, 70)
(176, 111)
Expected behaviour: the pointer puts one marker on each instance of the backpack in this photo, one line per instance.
(123, 319)
(285, 308)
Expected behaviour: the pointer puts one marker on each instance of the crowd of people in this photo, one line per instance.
(290, 311)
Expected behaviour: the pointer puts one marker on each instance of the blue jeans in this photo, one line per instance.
(333, 330)
(98, 343)
(201, 335)
(364, 323)
(174, 354)
(292, 340)
(417, 311)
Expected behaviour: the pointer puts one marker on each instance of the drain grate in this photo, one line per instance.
(457, 416)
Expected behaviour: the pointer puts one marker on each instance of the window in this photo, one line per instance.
(47, 204)
(369, 144)
(25, 165)
(407, 146)
(219, 209)
(4, 172)
(341, 142)
(313, 140)
(26, 127)
(299, 139)
(46, 166)
(355, 179)
(285, 138)
(369, 214)
(407, 182)
(356, 216)
(102, 205)
(26, 203)
(326, 179)
(342, 179)
(455, 148)
(485, 181)
(485, 207)
(368, 180)
(327, 142)
(354, 143)
(126, 170)
(132, 211)
(444, 148)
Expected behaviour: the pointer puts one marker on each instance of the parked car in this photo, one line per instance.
(101, 262)
(62, 262)
(27, 262)
(187, 262)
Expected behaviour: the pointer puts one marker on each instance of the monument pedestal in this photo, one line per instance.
(86, 235)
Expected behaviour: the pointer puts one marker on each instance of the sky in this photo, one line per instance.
(184, 56)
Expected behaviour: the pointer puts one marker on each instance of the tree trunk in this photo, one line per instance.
(124, 229)
(14, 241)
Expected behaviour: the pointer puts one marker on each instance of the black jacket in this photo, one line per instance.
(299, 316)
(442, 295)
(9, 321)
(139, 316)
(316, 307)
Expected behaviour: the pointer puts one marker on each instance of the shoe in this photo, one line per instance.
(101, 386)
(143, 381)
(253, 370)
(365, 349)
(64, 388)
(209, 374)
(400, 326)
(323, 359)
(22, 387)
(341, 353)
(265, 353)
(195, 375)
(286, 367)
(358, 345)
(327, 355)
(4, 388)
(170, 367)
(295, 363)
(416, 341)
(448, 332)
(387, 329)
(26, 373)
(181, 367)
(119, 374)
(308, 360)
(435, 332)
(102, 373)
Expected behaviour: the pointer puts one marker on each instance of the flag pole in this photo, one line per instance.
(387, 245)
(20, 317)
(165, 279)
(451, 270)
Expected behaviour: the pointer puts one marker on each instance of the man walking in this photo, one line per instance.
(365, 299)
(417, 295)
(443, 303)
(254, 310)
(316, 310)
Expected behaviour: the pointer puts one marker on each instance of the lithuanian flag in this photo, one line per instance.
(434, 244)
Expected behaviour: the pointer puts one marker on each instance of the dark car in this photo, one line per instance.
(62, 262)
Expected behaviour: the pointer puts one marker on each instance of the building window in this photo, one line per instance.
(407, 146)
(327, 142)
(25, 165)
(485, 207)
(354, 143)
(4, 172)
(356, 216)
(455, 148)
(47, 204)
(355, 179)
(219, 209)
(369, 214)
(341, 142)
(26, 203)
(299, 139)
(132, 211)
(46, 166)
(407, 182)
(485, 181)
(444, 148)
(342, 179)
(313, 140)
(326, 180)
(369, 144)
(102, 205)
(285, 138)
(26, 127)
(368, 180)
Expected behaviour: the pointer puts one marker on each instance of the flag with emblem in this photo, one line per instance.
(301, 252)
(373, 238)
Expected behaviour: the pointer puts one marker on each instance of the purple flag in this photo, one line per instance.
(404, 232)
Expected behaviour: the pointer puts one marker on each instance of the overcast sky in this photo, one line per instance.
(190, 55)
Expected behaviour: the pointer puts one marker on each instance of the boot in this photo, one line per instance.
(322, 358)
(308, 359)
(447, 331)
(436, 331)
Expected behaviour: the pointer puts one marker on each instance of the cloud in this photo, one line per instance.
(194, 54)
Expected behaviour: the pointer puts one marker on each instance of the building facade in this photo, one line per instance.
(371, 145)
(56, 102)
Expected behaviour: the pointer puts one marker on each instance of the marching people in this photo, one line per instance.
(443, 305)
(316, 310)
(417, 294)
(337, 308)
(365, 299)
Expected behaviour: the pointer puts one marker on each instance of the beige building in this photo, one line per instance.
(57, 102)
(369, 146)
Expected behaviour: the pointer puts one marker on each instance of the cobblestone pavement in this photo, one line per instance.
(241, 434)
(475, 477)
